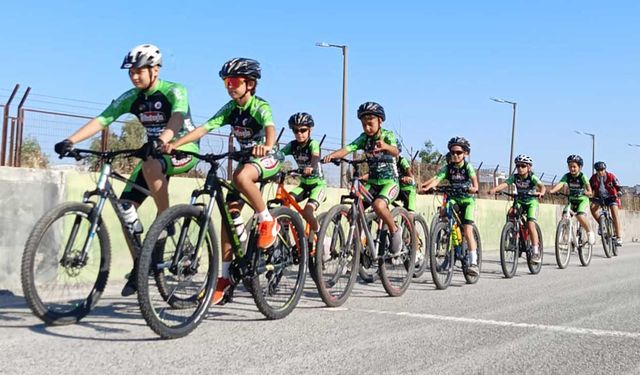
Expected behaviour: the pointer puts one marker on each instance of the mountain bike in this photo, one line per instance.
(67, 256)
(515, 239)
(571, 236)
(448, 245)
(274, 276)
(348, 243)
(607, 233)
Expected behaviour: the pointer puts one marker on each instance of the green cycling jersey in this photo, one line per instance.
(382, 166)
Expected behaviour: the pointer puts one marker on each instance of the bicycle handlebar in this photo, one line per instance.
(337, 161)
(79, 153)
(518, 195)
(211, 158)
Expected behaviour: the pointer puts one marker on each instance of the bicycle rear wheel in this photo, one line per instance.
(585, 249)
(422, 245)
(606, 236)
(441, 256)
(396, 270)
(280, 270)
(563, 243)
(614, 247)
(60, 287)
(174, 295)
(337, 257)
(535, 268)
(509, 249)
(471, 279)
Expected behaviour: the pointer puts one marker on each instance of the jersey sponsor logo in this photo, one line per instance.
(152, 117)
(176, 93)
(393, 192)
(241, 132)
(268, 162)
(180, 162)
(157, 105)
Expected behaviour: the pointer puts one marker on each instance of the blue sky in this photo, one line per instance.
(570, 65)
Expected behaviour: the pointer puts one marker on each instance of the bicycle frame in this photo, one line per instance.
(104, 191)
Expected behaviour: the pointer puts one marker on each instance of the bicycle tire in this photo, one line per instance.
(585, 250)
(80, 304)
(422, 242)
(196, 288)
(605, 236)
(312, 258)
(614, 248)
(535, 268)
(368, 270)
(396, 270)
(563, 243)
(271, 266)
(441, 256)
(471, 279)
(509, 250)
(336, 264)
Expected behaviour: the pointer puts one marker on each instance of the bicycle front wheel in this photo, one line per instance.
(441, 256)
(280, 270)
(563, 243)
(60, 283)
(176, 279)
(606, 236)
(509, 249)
(422, 243)
(585, 249)
(337, 257)
(396, 270)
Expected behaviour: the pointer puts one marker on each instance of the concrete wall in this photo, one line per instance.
(25, 194)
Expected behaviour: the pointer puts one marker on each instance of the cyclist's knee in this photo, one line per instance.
(247, 173)
(379, 204)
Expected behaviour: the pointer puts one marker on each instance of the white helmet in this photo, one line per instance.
(144, 55)
(523, 159)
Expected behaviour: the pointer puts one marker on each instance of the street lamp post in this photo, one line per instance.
(593, 148)
(513, 131)
(343, 140)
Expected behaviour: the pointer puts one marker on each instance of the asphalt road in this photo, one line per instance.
(582, 320)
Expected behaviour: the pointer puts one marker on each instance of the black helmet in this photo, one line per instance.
(241, 67)
(459, 141)
(301, 118)
(371, 108)
(575, 159)
(600, 166)
(144, 55)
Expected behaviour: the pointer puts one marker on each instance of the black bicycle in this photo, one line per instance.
(346, 244)
(515, 239)
(66, 260)
(448, 243)
(274, 276)
(607, 233)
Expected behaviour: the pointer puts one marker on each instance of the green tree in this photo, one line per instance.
(132, 137)
(429, 155)
(31, 155)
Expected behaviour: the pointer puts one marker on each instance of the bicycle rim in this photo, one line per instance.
(605, 236)
(62, 288)
(441, 256)
(509, 250)
(280, 270)
(422, 245)
(563, 243)
(533, 267)
(396, 270)
(173, 295)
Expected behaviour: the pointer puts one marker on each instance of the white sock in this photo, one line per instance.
(225, 270)
(264, 216)
(535, 249)
(474, 257)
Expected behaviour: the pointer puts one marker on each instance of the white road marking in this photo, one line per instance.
(561, 329)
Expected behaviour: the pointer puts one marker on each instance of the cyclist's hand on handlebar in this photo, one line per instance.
(308, 171)
(168, 148)
(327, 159)
(472, 190)
(151, 150)
(63, 148)
(261, 150)
(492, 192)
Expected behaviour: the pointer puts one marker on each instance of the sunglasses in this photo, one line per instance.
(233, 82)
(521, 165)
(457, 152)
(300, 130)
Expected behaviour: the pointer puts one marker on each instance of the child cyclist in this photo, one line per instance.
(605, 185)
(252, 124)
(527, 184)
(162, 108)
(461, 175)
(381, 150)
(306, 153)
(579, 192)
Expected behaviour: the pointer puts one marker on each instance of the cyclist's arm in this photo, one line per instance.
(474, 184)
(541, 188)
(174, 125)
(337, 154)
(190, 137)
(557, 187)
(498, 188)
(88, 130)
(587, 190)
